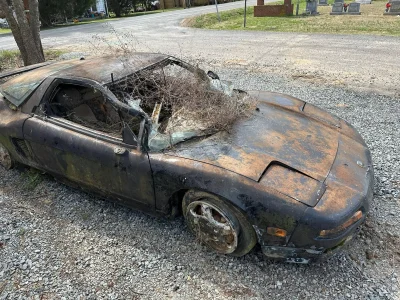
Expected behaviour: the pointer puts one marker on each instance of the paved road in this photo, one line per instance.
(367, 62)
(153, 24)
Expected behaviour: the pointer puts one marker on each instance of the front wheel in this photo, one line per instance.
(5, 158)
(218, 224)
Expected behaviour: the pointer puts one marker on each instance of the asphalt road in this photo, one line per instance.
(351, 61)
(154, 25)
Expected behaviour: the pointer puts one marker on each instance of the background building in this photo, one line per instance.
(101, 5)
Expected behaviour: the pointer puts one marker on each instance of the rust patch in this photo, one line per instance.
(271, 134)
(293, 184)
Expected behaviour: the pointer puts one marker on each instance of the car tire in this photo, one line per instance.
(218, 224)
(5, 158)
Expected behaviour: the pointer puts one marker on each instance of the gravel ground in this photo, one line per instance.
(56, 242)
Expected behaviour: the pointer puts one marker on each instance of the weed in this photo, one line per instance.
(10, 59)
(85, 216)
(21, 231)
(32, 178)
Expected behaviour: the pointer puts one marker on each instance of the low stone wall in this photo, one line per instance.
(273, 10)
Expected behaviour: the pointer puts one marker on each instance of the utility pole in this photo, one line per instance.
(106, 7)
(216, 5)
(245, 13)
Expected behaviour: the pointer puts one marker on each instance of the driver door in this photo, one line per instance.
(94, 157)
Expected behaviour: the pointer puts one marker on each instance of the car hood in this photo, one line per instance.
(282, 130)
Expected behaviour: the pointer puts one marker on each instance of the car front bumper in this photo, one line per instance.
(323, 249)
(349, 190)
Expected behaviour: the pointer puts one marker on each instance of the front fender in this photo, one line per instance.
(263, 206)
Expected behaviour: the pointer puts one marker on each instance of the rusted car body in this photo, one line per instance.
(301, 177)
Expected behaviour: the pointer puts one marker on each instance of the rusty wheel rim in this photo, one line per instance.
(212, 227)
(5, 158)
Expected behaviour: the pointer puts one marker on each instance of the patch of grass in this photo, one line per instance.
(32, 178)
(52, 54)
(81, 23)
(85, 216)
(21, 231)
(371, 21)
(4, 30)
(11, 59)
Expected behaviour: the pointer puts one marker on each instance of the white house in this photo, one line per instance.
(101, 5)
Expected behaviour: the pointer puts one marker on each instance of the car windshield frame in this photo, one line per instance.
(154, 140)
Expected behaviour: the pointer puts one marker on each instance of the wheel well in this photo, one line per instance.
(247, 234)
(176, 202)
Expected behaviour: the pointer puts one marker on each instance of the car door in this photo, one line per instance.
(92, 158)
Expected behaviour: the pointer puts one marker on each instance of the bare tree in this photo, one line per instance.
(23, 18)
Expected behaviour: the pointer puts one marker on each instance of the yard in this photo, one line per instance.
(4, 30)
(11, 59)
(371, 21)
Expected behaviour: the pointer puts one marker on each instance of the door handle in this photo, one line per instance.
(119, 151)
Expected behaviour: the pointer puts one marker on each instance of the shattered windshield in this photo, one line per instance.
(181, 101)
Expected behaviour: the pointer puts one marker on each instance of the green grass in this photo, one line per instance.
(32, 178)
(371, 21)
(9, 59)
(8, 54)
(3, 30)
(81, 23)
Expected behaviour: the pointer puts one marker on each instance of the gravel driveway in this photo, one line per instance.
(60, 243)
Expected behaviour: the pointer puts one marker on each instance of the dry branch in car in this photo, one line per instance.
(179, 100)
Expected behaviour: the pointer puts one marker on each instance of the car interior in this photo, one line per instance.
(89, 107)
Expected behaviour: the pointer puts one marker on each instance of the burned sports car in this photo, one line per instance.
(155, 133)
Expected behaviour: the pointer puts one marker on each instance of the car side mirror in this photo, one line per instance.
(212, 75)
(128, 137)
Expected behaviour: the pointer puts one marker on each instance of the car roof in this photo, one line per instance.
(18, 89)
(100, 68)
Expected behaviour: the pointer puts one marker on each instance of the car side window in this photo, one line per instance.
(89, 107)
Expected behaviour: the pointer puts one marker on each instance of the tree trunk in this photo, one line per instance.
(117, 11)
(26, 29)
